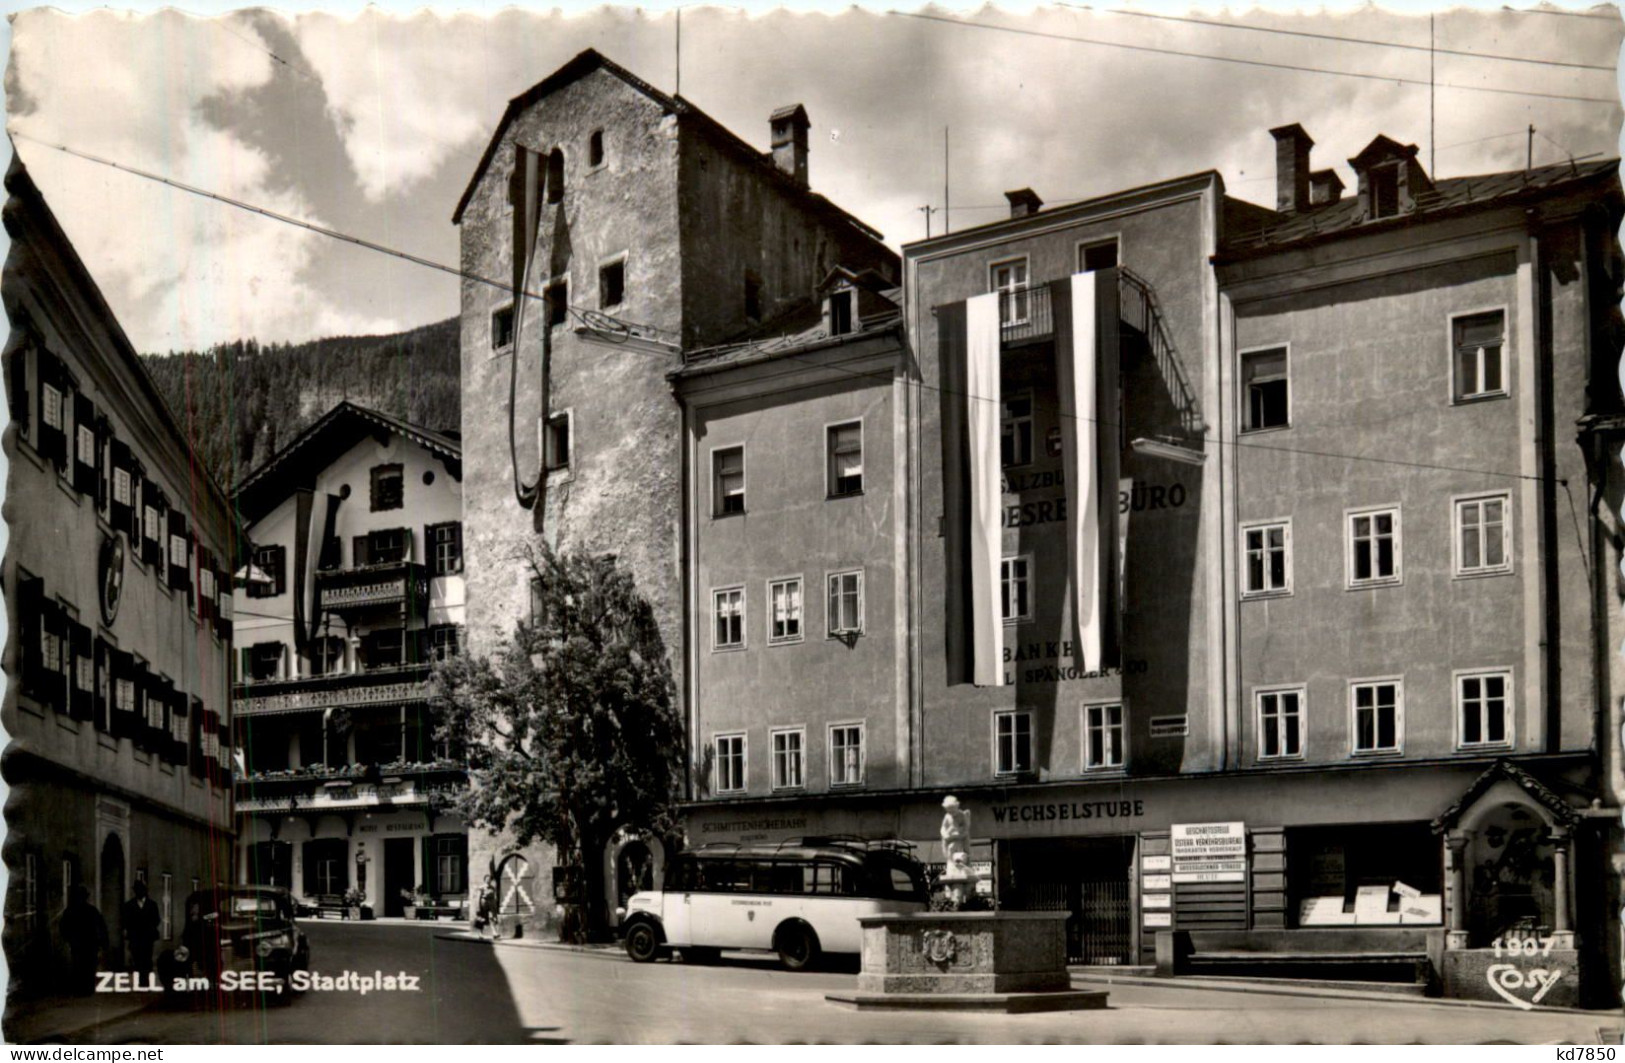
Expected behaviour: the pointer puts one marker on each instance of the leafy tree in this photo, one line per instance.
(570, 728)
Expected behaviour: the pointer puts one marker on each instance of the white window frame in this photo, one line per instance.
(716, 480)
(993, 285)
(744, 761)
(1286, 543)
(1096, 241)
(1302, 693)
(1349, 517)
(801, 613)
(1005, 578)
(1398, 747)
(1242, 400)
(1083, 735)
(829, 457)
(1005, 420)
(744, 635)
(1505, 675)
(1457, 397)
(773, 736)
(999, 716)
(830, 630)
(863, 752)
(1456, 504)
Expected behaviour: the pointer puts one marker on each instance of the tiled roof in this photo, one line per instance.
(792, 340)
(1449, 195)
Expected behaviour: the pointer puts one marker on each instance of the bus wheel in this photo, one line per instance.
(797, 945)
(642, 943)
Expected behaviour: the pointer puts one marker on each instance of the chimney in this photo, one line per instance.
(1292, 146)
(1325, 188)
(789, 126)
(1023, 201)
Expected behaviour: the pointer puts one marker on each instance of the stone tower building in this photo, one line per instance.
(660, 230)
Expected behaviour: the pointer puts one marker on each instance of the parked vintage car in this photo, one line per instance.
(237, 940)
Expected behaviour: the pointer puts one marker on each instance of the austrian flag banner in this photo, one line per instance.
(983, 409)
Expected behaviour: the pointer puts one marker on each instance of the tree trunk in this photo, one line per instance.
(594, 908)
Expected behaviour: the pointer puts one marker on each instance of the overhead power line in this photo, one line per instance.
(1392, 78)
(1346, 40)
(883, 374)
(1551, 11)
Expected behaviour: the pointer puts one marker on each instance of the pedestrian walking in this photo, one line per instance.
(85, 932)
(141, 923)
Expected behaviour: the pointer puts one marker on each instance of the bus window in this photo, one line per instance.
(778, 877)
(828, 879)
(681, 876)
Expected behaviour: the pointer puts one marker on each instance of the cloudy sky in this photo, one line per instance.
(373, 124)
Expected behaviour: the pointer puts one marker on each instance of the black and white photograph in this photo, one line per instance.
(698, 524)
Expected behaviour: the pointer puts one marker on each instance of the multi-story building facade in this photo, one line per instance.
(354, 588)
(1235, 599)
(659, 229)
(117, 586)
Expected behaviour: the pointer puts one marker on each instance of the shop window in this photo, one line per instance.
(502, 328)
(846, 754)
(1099, 255)
(845, 446)
(1280, 723)
(784, 599)
(1373, 548)
(388, 488)
(1347, 875)
(1379, 715)
(1483, 535)
(1484, 709)
(1016, 429)
(1016, 586)
(326, 867)
(1266, 559)
(1009, 279)
(728, 481)
(445, 548)
(1478, 342)
(1265, 390)
(1104, 747)
(845, 604)
(450, 864)
(789, 758)
(1012, 743)
(730, 763)
(728, 615)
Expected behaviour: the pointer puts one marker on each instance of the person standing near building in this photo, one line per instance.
(85, 932)
(141, 923)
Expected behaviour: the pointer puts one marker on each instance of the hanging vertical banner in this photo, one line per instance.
(983, 409)
(1078, 456)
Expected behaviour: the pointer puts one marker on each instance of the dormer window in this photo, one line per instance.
(840, 312)
(1384, 184)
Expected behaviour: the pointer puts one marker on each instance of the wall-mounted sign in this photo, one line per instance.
(111, 570)
(1170, 726)
(1153, 919)
(1158, 882)
(1237, 875)
(1207, 841)
(1156, 900)
(1156, 863)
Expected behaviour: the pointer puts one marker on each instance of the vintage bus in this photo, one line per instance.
(799, 898)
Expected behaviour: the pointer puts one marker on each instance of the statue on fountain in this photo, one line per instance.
(958, 880)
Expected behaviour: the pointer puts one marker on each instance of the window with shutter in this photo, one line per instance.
(103, 705)
(86, 462)
(31, 616)
(17, 386)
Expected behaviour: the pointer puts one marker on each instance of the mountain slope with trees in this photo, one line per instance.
(242, 401)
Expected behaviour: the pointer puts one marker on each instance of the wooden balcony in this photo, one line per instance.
(408, 684)
(401, 585)
(355, 787)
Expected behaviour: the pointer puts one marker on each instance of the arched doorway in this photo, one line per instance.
(633, 861)
(111, 899)
(1512, 874)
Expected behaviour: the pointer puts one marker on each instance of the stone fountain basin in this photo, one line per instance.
(1003, 961)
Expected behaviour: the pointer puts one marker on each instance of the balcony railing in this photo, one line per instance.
(277, 792)
(384, 686)
(403, 584)
(1024, 314)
